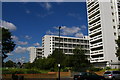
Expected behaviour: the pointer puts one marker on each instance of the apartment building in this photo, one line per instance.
(35, 53)
(67, 44)
(103, 27)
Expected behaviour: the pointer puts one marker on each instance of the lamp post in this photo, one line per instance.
(59, 56)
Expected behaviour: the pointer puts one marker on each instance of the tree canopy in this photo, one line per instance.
(118, 49)
(58, 56)
(76, 61)
(10, 63)
(79, 59)
(7, 43)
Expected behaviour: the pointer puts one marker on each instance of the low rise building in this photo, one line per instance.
(35, 53)
(67, 44)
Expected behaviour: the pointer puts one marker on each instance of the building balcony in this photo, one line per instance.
(94, 19)
(94, 14)
(89, 3)
(96, 38)
(96, 52)
(65, 47)
(93, 11)
(62, 42)
(70, 48)
(94, 5)
(96, 45)
(96, 24)
(99, 59)
(95, 30)
(96, 48)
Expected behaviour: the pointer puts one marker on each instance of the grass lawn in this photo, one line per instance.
(22, 71)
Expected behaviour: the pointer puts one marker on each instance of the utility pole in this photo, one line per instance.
(59, 56)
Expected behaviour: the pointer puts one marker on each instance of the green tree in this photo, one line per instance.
(118, 49)
(7, 43)
(79, 59)
(28, 65)
(50, 63)
(40, 63)
(44, 63)
(68, 60)
(9, 64)
(58, 56)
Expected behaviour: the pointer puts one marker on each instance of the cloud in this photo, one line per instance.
(22, 59)
(8, 25)
(83, 27)
(20, 49)
(27, 37)
(75, 15)
(80, 35)
(46, 5)
(22, 43)
(51, 33)
(36, 44)
(45, 14)
(70, 31)
(15, 38)
(9, 54)
(28, 11)
(18, 42)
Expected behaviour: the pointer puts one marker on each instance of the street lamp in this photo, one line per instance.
(59, 56)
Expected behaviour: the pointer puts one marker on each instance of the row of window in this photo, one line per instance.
(69, 40)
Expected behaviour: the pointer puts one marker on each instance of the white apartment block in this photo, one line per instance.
(35, 53)
(103, 27)
(67, 44)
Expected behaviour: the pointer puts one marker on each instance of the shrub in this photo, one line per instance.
(20, 71)
(33, 71)
(95, 69)
(107, 68)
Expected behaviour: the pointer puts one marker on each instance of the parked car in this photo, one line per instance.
(113, 75)
(88, 76)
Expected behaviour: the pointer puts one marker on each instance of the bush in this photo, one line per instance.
(52, 69)
(20, 71)
(107, 68)
(95, 69)
(33, 71)
(7, 72)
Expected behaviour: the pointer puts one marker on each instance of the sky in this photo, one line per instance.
(30, 21)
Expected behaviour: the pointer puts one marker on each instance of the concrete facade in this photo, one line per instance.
(103, 26)
(67, 44)
(35, 53)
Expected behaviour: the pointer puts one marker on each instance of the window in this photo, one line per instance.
(114, 33)
(112, 13)
(111, 61)
(114, 27)
(113, 20)
(111, 7)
